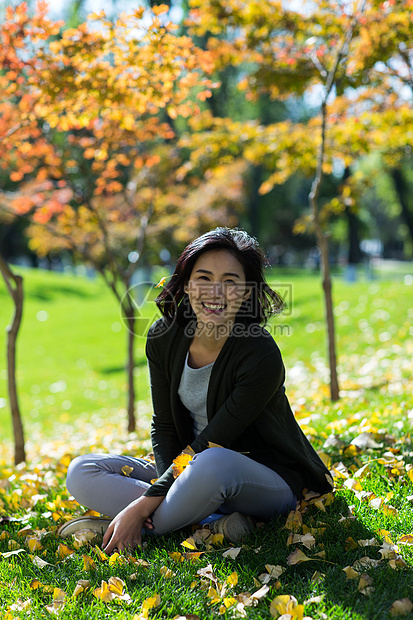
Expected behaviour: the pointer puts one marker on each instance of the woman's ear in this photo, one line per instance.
(186, 287)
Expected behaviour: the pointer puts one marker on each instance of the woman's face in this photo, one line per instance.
(217, 288)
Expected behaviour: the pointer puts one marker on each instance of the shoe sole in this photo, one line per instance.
(96, 524)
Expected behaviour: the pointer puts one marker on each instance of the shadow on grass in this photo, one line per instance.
(48, 293)
(111, 370)
(326, 577)
(318, 577)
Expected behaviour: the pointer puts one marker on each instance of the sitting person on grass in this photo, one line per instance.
(217, 377)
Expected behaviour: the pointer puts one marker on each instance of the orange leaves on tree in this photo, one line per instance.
(160, 9)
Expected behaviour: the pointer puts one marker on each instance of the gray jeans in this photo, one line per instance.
(215, 480)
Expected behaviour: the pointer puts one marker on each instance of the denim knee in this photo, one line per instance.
(75, 482)
(213, 466)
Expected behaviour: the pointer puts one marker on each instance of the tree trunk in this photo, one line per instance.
(354, 252)
(254, 202)
(14, 284)
(322, 241)
(130, 322)
(400, 187)
(329, 314)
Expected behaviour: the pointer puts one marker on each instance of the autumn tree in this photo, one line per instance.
(99, 175)
(325, 51)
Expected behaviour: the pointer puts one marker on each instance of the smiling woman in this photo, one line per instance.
(217, 382)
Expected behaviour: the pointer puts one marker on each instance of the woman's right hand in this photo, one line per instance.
(125, 530)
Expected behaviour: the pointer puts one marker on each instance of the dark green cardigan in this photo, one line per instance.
(247, 408)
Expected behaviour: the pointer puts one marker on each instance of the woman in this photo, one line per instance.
(217, 377)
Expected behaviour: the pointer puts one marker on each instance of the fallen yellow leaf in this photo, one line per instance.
(406, 539)
(126, 470)
(34, 544)
(63, 551)
(101, 555)
(297, 557)
(294, 521)
(232, 579)
(182, 461)
(286, 604)
(401, 607)
(365, 584)
(166, 572)
(88, 563)
(213, 595)
(83, 537)
(274, 571)
(231, 553)
(350, 572)
(80, 587)
(189, 543)
(150, 603)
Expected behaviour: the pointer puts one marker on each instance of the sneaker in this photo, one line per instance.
(233, 526)
(96, 524)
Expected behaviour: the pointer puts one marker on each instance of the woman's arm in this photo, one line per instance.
(164, 437)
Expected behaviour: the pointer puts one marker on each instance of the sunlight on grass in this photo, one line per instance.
(351, 558)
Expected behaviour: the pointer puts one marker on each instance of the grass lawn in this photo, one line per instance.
(72, 389)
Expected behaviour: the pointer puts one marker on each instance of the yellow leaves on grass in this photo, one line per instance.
(297, 557)
(288, 605)
(401, 607)
(88, 563)
(59, 598)
(81, 586)
(113, 590)
(205, 538)
(63, 551)
(166, 572)
(148, 604)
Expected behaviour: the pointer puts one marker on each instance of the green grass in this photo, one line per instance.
(72, 343)
(78, 345)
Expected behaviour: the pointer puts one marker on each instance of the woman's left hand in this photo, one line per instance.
(125, 530)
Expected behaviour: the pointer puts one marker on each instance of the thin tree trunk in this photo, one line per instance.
(130, 322)
(322, 238)
(329, 314)
(400, 187)
(14, 284)
(322, 241)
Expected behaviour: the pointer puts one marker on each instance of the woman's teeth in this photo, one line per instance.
(214, 307)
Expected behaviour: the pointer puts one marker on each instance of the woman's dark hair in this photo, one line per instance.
(262, 303)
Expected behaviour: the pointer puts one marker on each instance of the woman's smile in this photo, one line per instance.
(213, 307)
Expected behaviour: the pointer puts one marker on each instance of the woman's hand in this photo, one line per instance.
(125, 530)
